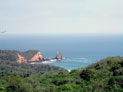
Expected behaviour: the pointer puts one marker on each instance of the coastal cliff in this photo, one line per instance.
(37, 57)
(30, 56)
(21, 59)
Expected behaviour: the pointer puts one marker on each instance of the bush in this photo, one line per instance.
(86, 74)
(97, 66)
(66, 87)
(115, 67)
(58, 82)
(2, 89)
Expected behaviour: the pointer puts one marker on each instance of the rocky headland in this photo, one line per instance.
(36, 57)
(29, 56)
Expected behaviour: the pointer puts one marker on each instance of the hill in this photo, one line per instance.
(14, 55)
(103, 76)
(9, 55)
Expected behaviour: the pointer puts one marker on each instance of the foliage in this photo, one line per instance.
(103, 76)
(86, 74)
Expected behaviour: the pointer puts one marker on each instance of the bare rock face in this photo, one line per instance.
(21, 59)
(37, 57)
(58, 56)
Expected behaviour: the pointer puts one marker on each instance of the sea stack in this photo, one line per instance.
(58, 56)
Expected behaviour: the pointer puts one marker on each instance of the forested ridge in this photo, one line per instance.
(104, 76)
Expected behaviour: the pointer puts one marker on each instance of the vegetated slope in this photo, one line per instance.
(12, 55)
(103, 76)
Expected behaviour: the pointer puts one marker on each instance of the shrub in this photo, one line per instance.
(97, 66)
(86, 74)
(66, 87)
(2, 89)
(115, 67)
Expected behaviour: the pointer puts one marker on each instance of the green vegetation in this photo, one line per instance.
(12, 54)
(103, 76)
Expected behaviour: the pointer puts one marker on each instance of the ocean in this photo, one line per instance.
(77, 50)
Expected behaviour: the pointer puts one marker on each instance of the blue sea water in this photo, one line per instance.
(77, 50)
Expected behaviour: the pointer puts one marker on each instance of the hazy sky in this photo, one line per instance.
(61, 16)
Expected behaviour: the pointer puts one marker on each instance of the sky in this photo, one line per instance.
(61, 16)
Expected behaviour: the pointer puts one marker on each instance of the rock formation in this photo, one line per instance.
(37, 57)
(58, 56)
(21, 59)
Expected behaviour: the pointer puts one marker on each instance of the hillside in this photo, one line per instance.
(103, 76)
(12, 55)
(9, 65)
(9, 55)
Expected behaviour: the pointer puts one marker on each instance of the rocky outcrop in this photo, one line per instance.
(21, 59)
(37, 57)
(58, 56)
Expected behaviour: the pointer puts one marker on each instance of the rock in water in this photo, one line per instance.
(58, 56)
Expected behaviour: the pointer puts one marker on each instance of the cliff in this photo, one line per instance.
(37, 57)
(21, 59)
(30, 56)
